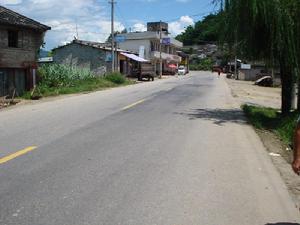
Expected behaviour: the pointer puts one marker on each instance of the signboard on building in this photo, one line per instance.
(166, 41)
(245, 66)
(142, 51)
(108, 57)
(120, 39)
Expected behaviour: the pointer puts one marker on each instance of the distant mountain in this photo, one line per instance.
(43, 53)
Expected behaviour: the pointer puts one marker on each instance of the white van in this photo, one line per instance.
(181, 70)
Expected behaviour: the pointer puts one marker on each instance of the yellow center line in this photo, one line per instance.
(17, 154)
(133, 104)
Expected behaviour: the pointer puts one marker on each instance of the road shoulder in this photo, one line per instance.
(245, 92)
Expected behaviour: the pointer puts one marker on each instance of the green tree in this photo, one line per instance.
(188, 36)
(206, 30)
(266, 30)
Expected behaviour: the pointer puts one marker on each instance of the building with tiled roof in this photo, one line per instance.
(12, 18)
(20, 41)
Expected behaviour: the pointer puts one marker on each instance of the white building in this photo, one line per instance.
(147, 45)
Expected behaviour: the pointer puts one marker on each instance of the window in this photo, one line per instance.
(13, 39)
(152, 46)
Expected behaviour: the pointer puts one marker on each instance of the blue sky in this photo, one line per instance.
(92, 17)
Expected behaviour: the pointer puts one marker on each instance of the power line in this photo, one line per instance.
(195, 15)
(80, 32)
(75, 26)
(122, 18)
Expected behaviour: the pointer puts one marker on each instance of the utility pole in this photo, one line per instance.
(235, 68)
(112, 2)
(77, 36)
(236, 74)
(160, 50)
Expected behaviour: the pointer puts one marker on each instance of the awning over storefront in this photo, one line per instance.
(134, 57)
(172, 66)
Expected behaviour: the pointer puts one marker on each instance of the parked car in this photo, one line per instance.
(266, 81)
(181, 70)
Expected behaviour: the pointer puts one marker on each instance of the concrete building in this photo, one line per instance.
(251, 72)
(147, 45)
(86, 54)
(256, 70)
(20, 41)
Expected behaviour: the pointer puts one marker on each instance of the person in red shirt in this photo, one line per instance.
(296, 161)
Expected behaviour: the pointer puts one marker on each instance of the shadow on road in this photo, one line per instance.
(282, 224)
(217, 116)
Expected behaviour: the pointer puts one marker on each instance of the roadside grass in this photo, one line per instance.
(116, 78)
(59, 80)
(89, 85)
(270, 119)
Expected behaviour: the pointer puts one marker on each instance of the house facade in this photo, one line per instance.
(257, 70)
(20, 41)
(147, 45)
(86, 54)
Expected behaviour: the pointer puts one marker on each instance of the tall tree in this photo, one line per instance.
(265, 30)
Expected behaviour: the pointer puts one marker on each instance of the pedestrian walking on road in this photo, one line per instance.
(296, 160)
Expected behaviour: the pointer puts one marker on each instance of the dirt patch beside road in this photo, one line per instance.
(248, 93)
(281, 154)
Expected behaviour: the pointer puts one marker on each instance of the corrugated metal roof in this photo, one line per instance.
(102, 46)
(134, 57)
(9, 17)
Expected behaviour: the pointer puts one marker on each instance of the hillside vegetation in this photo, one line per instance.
(207, 30)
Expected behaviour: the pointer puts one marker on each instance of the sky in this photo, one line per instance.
(91, 18)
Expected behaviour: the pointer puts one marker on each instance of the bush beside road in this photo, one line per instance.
(270, 119)
(202, 65)
(59, 79)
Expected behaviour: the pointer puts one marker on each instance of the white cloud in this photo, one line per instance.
(10, 2)
(93, 22)
(91, 16)
(179, 26)
(186, 20)
(139, 27)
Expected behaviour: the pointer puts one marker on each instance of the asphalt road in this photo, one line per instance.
(169, 152)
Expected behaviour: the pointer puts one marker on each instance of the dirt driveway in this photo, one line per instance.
(247, 93)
